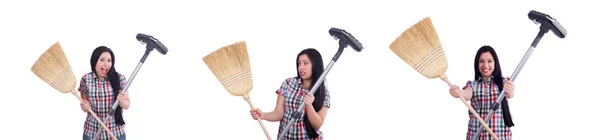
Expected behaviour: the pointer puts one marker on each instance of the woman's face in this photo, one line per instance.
(103, 65)
(486, 64)
(304, 67)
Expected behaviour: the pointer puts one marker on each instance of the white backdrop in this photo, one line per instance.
(374, 94)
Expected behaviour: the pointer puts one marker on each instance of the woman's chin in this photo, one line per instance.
(100, 74)
(305, 78)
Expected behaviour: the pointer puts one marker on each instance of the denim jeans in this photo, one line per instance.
(123, 137)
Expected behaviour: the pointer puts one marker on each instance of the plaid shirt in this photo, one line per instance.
(293, 92)
(100, 96)
(485, 93)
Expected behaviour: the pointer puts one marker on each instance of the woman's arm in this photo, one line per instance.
(456, 92)
(85, 105)
(277, 113)
(467, 93)
(123, 97)
(84, 96)
(316, 119)
(509, 88)
(123, 100)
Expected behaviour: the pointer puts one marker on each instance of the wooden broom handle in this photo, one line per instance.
(95, 116)
(247, 98)
(445, 79)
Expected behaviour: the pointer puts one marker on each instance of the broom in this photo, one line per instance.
(231, 66)
(53, 68)
(419, 46)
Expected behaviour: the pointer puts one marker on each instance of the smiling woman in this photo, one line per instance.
(99, 90)
(484, 91)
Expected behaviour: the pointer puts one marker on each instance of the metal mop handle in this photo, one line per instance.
(345, 39)
(547, 24)
(135, 71)
(296, 115)
(513, 77)
(114, 106)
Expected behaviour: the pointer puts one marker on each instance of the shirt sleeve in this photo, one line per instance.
(469, 84)
(284, 88)
(326, 102)
(83, 85)
(122, 80)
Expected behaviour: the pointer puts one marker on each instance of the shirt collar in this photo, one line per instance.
(94, 76)
(300, 85)
(480, 79)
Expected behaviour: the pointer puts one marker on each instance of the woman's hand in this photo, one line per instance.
(509, 88)
(308, 99)
(455, 91)
(85, 106)
(123, 98)
(256, 113)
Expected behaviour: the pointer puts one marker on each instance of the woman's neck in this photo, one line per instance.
(306, 83)
(485, 78)
(100, 78)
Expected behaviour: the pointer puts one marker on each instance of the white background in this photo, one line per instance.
(374, 94)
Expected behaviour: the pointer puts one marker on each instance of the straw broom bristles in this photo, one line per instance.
(419, 46)
(54, 68)
(231, 66)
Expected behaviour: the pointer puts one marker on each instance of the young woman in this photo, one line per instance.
(294, 92)
(484, 91)
(99, 90)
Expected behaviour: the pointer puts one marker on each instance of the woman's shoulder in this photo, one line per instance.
(121, 76)
(88, 75)
(292, 80)
(470, 83)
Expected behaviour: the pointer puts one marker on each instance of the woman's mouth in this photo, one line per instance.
(302, 73)
(104, 70)
(485, 70)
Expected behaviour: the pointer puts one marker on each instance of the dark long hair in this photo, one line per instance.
(498, 80)
(113, 78)
(317, 70)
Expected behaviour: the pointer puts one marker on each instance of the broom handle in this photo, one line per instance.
(496, 105)
(483, 124)
(247, 98)
(95, 116)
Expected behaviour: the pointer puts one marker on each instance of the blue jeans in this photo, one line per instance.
(123, 137)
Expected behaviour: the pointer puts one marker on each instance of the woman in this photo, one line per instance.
(294, 92)
(99, 91)
(484, 91)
